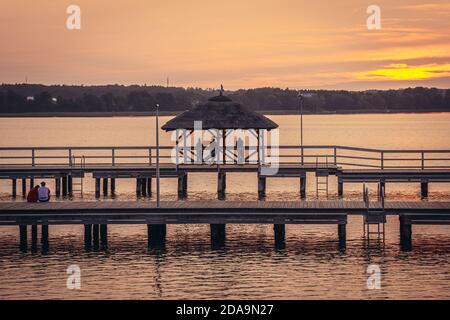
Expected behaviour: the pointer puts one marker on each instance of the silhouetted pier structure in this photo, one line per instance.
(96, 216)
(220, 137)
(108, 164)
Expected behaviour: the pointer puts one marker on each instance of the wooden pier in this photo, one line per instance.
(108, 164)
(96, 216)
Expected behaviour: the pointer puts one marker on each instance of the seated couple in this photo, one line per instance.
(39, 193)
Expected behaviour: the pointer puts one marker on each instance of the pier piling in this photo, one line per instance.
(156, 235)
(64, 186)
(405, 234)
(95, 236)
(105, 186)
(58, 187)
(261, 187)
(182, 186)
(279, 235)
(340, 188)
(34, 231)
(113, 186)
(424, 190)
(149, 186)
(24, 187)
(14, 188)
(88, 236)
(221, 185)
(143, 185)
(218, 235)
(44, 237)
(303, 187)
(104, 235)
(342, 234)
(70, 185)
(138, 188)
(23, 238)
(97, 188)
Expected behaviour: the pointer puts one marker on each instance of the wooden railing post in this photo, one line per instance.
(382, 160)
(150, 156)
(335, 155)
(70, 157)
(423, 160)
(113, 157)
(33, 160)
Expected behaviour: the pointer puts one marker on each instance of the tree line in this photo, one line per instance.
(30, 98)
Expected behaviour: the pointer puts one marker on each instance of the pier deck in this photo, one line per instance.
(96, 215)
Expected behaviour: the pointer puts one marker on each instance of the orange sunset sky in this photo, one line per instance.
(240, 43)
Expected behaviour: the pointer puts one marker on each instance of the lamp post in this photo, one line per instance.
(157, 157)
(300, 106)
(300, 97)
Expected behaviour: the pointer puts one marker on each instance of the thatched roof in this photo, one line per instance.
(220, 112)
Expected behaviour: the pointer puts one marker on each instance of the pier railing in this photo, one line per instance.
(312, 155)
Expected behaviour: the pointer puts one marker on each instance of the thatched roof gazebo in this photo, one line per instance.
(220, 118)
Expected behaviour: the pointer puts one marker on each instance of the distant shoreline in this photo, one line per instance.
(174, 113)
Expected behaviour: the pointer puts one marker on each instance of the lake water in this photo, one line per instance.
(310, 266)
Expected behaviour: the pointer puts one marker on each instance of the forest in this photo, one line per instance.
(58, 99)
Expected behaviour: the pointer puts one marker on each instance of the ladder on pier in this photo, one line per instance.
(78, 178)
(374, 218)
(322, 179)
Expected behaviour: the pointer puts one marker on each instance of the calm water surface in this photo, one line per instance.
(310, 266)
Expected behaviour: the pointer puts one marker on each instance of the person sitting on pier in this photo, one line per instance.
(44, 193)
(33, 195)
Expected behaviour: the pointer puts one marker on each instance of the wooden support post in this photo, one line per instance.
(149, 186)
(113, 186)
(58, 187)
(31, 183)
(105, 186)
(95, 236)
(70, 185)
(340, 188)
(221, 185)
(34, 232)
(143, 185)
(182, 185)
(97, 187)
(104, 235)
(218, 235)
(405, 234)
(156, 235)
(14, 188)
(261, 187)
(424, 190)
(44, 237)
(342, 234)
(24, 187)
(88, 236)
(64, 186)
(138, 187)
(23, 238)
(280, 235)
(303, 186)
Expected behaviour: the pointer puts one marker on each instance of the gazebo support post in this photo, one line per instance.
(303, 186)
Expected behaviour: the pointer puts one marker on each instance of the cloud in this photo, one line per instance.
(401, 72)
